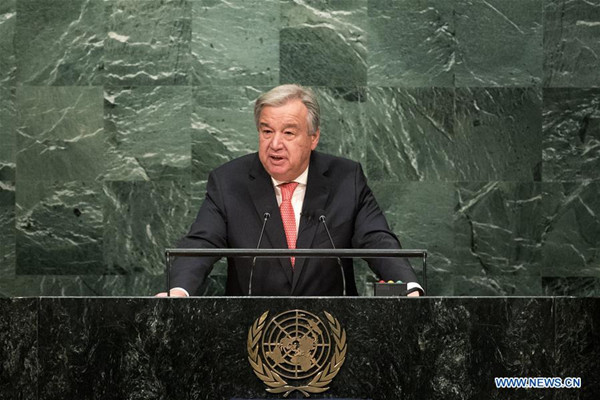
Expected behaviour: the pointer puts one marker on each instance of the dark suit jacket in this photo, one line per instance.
(240, 192)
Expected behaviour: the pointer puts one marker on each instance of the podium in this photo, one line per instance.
(197, 348)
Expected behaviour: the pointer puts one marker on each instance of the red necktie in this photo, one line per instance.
(287, 215)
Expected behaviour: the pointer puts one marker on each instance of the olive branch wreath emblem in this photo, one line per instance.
(318, 384)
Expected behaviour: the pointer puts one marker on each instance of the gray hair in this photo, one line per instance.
(281, 95)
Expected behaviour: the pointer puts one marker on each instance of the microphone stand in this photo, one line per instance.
(266, 217)
(339, 260)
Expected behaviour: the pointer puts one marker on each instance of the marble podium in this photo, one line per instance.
(398, 348)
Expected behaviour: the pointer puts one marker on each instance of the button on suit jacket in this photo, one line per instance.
(241, 191)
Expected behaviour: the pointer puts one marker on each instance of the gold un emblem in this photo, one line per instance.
(295, 350)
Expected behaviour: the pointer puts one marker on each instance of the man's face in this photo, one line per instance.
(284, 144)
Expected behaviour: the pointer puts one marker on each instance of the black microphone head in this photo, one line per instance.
(266, 215)
(321, 214)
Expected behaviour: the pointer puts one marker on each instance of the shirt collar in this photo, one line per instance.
(302, 179)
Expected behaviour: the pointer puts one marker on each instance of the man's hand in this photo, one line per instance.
(174, 293)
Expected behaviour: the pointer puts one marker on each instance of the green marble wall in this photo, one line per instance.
(478, 123)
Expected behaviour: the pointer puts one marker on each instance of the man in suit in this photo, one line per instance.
(295, 184)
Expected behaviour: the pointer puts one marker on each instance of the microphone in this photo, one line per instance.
(322, 219)
(266, 217)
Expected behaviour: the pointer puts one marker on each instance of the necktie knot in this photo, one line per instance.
(287, 190)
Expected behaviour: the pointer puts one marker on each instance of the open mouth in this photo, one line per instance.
(276, 158)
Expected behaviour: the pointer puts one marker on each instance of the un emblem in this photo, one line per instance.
(296, 350)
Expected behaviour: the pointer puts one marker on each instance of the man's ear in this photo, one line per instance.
(315, 139)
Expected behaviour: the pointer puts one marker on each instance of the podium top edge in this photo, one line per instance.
(350, 253)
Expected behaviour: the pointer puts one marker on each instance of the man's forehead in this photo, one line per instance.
(287, 114)
(283, 122)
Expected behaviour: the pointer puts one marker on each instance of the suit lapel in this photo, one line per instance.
(315, 200)
(262, 193)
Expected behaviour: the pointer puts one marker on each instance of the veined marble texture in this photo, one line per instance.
(141, 219)
(60, 42)
(411, 43)
(90, 285)
(571, 44)
(148, 42)
(571, 286)
(571, 134)
(222, 126)
(448, 348)
(7, 230)
(18, 349)
(410, 134)
(498, 134)
(498, 236)
(60, 134)
(440, 134)
(59, 228)
(243, 51)
(418, 43)
(343, 121)
(476, 122)
(571, 229)
(148, 132)
(323, 43)
(499, 42)
(8, 114)
(8, 17)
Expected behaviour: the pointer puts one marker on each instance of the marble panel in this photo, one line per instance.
(420, 213)
(571, 229)
(466, 343)
(571, 45)
(578, 345)
(7, 229)
(411, 43)
(8, 115)
(497, 285)
(499, 42)
(246, 52)
(60, 42)
(8, 20)
(149, 132)
(498, 134)
(141, 219)
(497, 232)
(18, 349)
(82, 285)
(571, 134)
(323, 43)
(148, 42)
(410, 134)
(342, 122)
(60, 136)
(115, 348)
(59, 228)
(222, 126)
(571, 286)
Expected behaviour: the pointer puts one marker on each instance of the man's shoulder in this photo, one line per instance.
(334, 163)
(237, 165)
